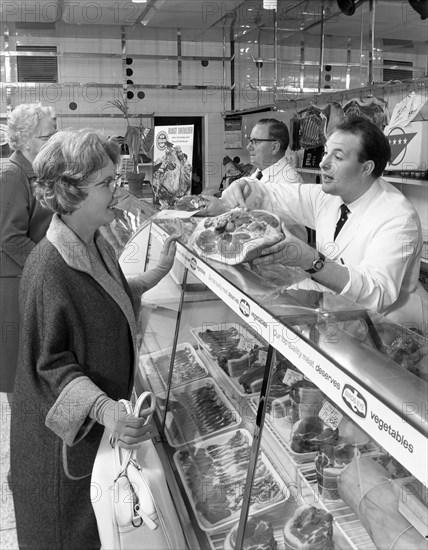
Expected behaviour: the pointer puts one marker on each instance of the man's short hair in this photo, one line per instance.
(276, 130)
(374, 144)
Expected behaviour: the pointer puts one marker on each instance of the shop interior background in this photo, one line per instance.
(210, 59)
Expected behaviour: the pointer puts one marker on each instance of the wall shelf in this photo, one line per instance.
(391, 179)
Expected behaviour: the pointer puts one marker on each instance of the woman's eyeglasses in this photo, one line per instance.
(111, 183)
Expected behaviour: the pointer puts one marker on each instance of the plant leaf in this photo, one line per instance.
(133, 141)
(118, 104)
(148, 140)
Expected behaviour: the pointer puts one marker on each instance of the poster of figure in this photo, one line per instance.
(173, 157)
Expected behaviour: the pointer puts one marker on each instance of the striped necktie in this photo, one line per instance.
(344, 211)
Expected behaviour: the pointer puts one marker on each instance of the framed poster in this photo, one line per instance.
(172, 166)
(233, 133)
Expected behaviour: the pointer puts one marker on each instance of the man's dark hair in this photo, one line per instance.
(276, 130)
(374, 144)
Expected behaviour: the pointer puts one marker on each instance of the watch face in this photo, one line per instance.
(318, 264)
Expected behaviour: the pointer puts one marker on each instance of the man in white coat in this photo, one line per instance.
(369, 237)
(267, 146)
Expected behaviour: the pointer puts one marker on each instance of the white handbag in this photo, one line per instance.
(130, 496)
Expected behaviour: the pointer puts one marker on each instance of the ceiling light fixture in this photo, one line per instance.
(150, 11)
(139, 1)
(270, 4)
(148, 16)
(421, 7)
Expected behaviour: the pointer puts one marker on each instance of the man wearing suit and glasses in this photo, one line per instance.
(267, 146)
(369, 237)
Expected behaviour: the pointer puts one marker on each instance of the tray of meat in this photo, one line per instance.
(237, 236)
(197, 410)
(235, 348)
(405, 347)
(284, 376)
(232, 345)
(259, 535)
(214, 472)
(309, 527)
(303, 438)
(188, 366)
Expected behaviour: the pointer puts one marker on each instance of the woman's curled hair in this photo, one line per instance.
(66, 162)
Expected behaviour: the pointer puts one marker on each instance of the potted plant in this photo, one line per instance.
(139, 141)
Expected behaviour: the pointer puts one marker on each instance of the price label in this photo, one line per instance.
(330, 415)
(246, 344)
(169, 420)
(291, 376)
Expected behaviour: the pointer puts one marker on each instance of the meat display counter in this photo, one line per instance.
(290, 418)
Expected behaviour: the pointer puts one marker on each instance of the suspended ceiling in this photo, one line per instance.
(395, 20)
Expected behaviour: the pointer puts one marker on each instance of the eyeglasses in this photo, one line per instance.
(45, 138)
(255, 141)
(111, 183)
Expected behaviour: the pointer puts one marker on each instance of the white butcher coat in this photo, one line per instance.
(380, 243)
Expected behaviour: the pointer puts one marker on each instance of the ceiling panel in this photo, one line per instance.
(246, 18)
(103, 12)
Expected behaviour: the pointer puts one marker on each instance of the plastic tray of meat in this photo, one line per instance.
(188, 366)
(197, 410)
(283, 429)
(214, 472)
(233, 347)
(297, 437)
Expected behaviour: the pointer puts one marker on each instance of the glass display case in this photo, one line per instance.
(290, 417)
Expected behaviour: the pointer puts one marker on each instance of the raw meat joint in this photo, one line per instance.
(309, 527)
(308, 434)
(258, 536)
(237, 236)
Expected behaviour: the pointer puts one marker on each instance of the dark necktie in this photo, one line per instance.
(259, 175)
(344, 211)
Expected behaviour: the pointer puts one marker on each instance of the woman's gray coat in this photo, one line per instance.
(78, 332)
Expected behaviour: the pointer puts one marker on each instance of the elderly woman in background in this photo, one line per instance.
(77, 346)
(23, 222)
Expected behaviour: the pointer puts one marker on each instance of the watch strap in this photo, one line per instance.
(320, 261)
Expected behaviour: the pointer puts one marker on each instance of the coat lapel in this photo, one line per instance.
(356, 219)
(75, 254)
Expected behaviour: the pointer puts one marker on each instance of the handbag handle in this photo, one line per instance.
(124, 456)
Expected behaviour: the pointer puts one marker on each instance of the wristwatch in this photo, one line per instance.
(317, 264)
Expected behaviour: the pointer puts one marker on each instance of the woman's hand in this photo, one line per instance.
(127, 430)
(169, 249)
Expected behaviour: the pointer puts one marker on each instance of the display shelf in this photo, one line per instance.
(368, 387)
(347, 527)
(387, 177)
(405, 181)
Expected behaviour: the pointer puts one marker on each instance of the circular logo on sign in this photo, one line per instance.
(161, 139)
(398, 145)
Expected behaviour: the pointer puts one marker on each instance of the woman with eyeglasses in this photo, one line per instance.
(77, 345)
(23, 222)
